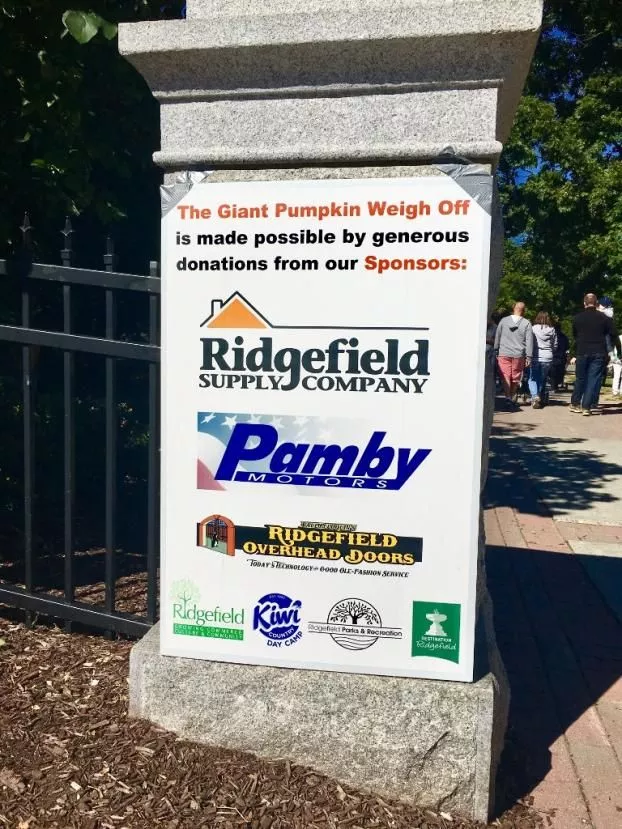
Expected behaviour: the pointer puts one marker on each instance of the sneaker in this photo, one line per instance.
(536, 403)
(585, 412)
(575, 409)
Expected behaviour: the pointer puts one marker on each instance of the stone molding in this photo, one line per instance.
(294, 84)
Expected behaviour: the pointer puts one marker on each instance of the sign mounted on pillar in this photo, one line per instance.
(323, 376)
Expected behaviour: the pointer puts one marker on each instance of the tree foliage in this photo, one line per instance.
(561, 171)
(79, 126)
(78, 123)
(84, 26)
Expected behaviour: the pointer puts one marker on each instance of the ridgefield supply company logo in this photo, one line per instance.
(262, 356)
(301, 451)
(191, 619)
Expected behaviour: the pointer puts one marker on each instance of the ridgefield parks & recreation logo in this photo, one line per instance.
(354, 624)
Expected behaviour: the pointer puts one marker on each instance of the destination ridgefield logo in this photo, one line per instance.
(241, 349)
(436, 630)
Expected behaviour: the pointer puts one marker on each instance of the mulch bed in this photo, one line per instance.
(70, 757)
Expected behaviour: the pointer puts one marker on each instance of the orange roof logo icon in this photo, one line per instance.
(235, 312)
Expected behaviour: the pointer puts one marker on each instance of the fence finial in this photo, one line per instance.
(26, 229)
(109, 256)
(67, 251)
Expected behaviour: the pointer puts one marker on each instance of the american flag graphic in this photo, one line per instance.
(216, 428)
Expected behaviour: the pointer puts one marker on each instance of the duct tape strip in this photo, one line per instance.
(172, 194)
(475, 179)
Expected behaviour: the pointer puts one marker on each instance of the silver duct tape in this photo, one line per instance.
(172, 194)
(475, 179)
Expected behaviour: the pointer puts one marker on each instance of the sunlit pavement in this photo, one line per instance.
(554, 534)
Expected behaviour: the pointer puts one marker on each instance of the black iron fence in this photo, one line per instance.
(79, 394)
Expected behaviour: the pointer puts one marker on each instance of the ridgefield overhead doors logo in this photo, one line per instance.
(335, 452)
(287, 357)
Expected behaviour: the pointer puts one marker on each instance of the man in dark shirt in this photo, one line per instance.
(590, 329)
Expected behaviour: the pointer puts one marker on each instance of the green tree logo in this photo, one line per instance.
(186, 592)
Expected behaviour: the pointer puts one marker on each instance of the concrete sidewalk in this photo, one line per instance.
(554, 533)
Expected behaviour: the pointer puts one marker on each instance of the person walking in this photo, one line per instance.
(514, 348)
(616, 383)
(590, 329)
(560, 358)
(614, 350)
(545, 343)
(491, 330)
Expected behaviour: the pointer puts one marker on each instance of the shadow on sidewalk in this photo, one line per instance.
(560, 636)
(571, 478)
(562, 648)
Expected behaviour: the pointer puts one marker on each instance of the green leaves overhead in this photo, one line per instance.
(83, 26)
(561, 171)
(78, 126)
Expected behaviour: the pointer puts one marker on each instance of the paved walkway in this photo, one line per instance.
(554, 532)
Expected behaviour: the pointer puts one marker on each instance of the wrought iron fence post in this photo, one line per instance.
(111, 441)
(153, 472)
(69, 427)
(28, 411)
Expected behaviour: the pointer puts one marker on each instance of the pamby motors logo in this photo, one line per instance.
(327, 452)
(354, 624)
(192, 619)
(240, 349)
(277, 618)
(436, 630)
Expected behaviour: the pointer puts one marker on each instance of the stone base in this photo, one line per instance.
(426, 742)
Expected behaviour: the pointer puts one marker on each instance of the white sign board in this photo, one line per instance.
(323, 348)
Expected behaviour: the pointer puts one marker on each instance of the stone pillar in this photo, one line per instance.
(317, 89)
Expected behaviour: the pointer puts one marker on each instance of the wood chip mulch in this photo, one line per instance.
(71, 757)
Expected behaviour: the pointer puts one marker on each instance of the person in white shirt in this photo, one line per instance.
(605, 306)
